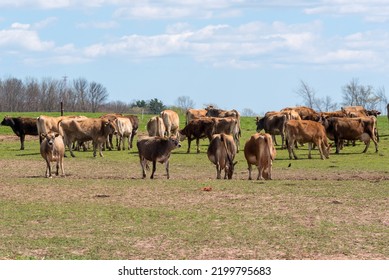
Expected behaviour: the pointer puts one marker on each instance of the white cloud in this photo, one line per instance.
(21, 36)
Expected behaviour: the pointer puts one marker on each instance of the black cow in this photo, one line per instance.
(21, 127)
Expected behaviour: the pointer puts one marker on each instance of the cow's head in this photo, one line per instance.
(230, 167)
(50, 137)
(259, 123)
(109, 127)
(174, 142)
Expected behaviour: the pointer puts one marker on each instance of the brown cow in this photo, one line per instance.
(221, 152)
(53, 150)
(351, 129)
(155, 127)
(306, 113)
(156, 149)
(21, 127)
(306, 131)
(171, 121)
(198, 129)
(95, 129)
(194, 114)
(220, 113)
(259, 150)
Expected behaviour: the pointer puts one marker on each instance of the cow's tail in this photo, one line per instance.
(229, 156)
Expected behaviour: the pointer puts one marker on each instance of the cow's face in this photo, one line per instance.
(109, 128)
(259, 124)
(6, 121)
(175, 142)
(50, 137)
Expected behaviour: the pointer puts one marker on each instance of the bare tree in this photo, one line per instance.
(308, 94)
(247, 112)
(185, 103)
(355, 94)
(80, 87)
(97, 94)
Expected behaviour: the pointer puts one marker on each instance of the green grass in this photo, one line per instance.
(315, 209)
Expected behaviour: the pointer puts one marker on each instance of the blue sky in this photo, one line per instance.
(232, 53)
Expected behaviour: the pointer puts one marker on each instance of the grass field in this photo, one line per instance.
(102, 209)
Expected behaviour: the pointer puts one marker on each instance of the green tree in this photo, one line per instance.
(156, 106)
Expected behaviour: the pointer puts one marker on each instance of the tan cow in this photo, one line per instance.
(192, 114)
(259, 150)
(306, 131)
(155, 127)
(156, 149)
(171, 121)
(95, 129)
(221, 152)
(48, 124)
(53, 150)
(124, 130)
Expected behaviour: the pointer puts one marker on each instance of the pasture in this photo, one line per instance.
(102, 209)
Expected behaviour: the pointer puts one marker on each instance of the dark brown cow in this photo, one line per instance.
(221, 152)
(273, 123)
(220, 113)
(305, 131)
(21, 127)
(156, 149)
(259, 150)
(53, 150)
(198, 129)
(95, 129)
(351, 129)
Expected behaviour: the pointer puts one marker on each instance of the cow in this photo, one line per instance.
(109, 143)
(53, 150)
(135, 125)
(21, 127)
(259, 150)
(47, 124)
(124, 130)
(306, 131)
(156, 127)
(351, 129)
(221, 152)
(156, 149)
(272, 123)
(194, 114)
(95, 129)
(306, 113)
(198, 129)
(220, 113)
(171, 121)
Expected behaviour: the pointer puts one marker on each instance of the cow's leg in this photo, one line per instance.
(367, 144)
(154, 168)
(260, 172)
(100, 146)
(189, 140)
(198, 145)
(48, 169)
(249, 168)
(121, 142)
(70, 147)
(270, 170)
(22, 137)
(337, 143)
(129, 141)
(143, 163)
(292, 144)
(61, 166)
(309, 150)
(218, 171)
(167, 169)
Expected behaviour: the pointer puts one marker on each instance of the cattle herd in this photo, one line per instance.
(295, 125)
